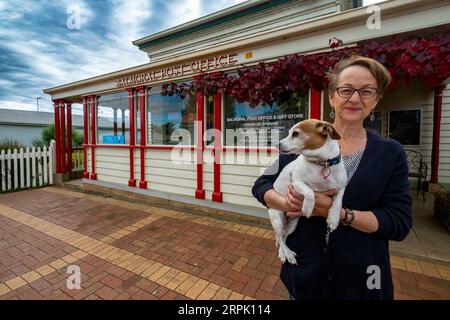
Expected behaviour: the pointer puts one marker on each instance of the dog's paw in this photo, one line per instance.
(287, 254)
(333, 223)
(290, 256)
(281, 255)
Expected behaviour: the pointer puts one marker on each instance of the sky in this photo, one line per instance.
(47, 43)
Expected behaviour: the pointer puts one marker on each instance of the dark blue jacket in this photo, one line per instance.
(342, 269)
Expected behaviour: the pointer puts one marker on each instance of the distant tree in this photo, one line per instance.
(48, 133)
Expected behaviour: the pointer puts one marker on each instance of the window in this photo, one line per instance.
(262, 126)
(170, 120)
(404, 126)
(113, 121)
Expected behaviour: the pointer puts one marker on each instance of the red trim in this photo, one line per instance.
(132, 181)
(200, 193)
(436, 133)
(69, 136)
(126, 146)
(247, 149)
(141, 90)
(57, 137)
(62, 115)
(315, 104)
(217, 195)
(85, 137)
(94, 134)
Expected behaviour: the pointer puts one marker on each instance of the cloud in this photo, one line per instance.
(38, 50)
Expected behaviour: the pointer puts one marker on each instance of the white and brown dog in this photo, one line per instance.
(317, 168)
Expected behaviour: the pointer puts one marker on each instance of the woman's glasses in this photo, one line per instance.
(364, 93)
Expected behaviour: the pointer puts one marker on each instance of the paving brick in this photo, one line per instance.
(31, 276)
(198, 287)
(15, 283)
(4, 289)
(112, 281)
(106, 293)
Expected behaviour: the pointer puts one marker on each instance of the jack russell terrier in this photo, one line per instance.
(317, 168)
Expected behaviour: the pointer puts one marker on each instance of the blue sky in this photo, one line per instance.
(38, 50)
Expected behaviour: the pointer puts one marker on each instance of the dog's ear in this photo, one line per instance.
(327, 129)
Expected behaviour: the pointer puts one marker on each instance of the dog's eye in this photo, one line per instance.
(294, 134)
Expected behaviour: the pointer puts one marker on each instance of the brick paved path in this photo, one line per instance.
(134, 251)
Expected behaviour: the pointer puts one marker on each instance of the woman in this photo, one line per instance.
(354, 264)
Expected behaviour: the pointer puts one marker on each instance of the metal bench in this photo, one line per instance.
(417, 169)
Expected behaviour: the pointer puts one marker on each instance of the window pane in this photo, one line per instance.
(112, 119)
(263, 125)
(170, 120)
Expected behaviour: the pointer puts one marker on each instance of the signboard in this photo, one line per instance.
(169, 72)
(110, 139)
(404, 126)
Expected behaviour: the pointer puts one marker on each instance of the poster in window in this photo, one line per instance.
(404, 126)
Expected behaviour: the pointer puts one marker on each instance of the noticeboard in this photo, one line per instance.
(404, 126)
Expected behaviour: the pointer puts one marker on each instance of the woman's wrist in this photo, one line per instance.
(347, 216)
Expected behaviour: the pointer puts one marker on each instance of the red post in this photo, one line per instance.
(85, 137)
(141, 90)
(69, 136)
(57, 137)
(315, 104)
(92, 100)
(62, 119)
(217, 195)
(200, 193)
(436, 133)
(132, 181)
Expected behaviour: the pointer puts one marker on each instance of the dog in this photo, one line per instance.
(317, 168)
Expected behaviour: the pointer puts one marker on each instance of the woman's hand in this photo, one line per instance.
(294, 202)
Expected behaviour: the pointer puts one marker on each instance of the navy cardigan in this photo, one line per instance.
(352, 259)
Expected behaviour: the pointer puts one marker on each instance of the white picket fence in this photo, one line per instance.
(25, 169)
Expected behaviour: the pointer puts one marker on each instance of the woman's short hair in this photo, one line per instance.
(379, 72)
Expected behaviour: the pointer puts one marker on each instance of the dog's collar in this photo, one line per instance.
(329, 162)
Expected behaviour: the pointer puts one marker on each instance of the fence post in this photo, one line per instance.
(45, 164)
(33, 167)
(3, 170)
(8, 169)
(22, 169)
(16, 172)
(51, 159)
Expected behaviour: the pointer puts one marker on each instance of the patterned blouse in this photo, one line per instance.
(351, 163)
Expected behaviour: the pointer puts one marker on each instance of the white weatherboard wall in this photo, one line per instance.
(416, 96)
(111, 164)
(444, 159)
(239, 170)
(172, 172)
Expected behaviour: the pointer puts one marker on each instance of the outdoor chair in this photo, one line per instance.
(418, 169)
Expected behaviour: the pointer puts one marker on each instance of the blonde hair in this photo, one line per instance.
(379, 72)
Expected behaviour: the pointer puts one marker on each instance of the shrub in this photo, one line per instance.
(48, 133)
(11, 143)
(442, 207)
